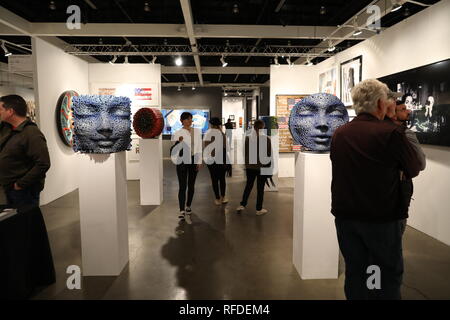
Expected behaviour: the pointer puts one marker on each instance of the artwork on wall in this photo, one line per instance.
(148, 123)
(328, 81)
(351, 75)
(231, 117)
(427, 94)
(101, 124)
(284, 105)
(31, 110)
(64, 115)
(240, 122)
(172, 123)
(314, 119)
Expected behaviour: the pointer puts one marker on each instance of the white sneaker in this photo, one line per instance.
(188, 219)
(261, 212)
(188, 210)
(239, 209)
(217, 202)
(181, 215)
(224, 200)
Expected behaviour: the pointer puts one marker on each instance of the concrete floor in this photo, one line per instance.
(222, 255)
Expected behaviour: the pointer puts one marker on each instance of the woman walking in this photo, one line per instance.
(217, 164)
(254, 165)
(188, 164)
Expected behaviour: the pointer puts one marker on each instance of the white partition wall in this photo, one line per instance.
(103, 214)
(315, 247)
(56, 72)
(151, 168)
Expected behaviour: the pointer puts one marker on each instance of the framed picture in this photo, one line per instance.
(351, 75)
(328, 81)
(231, 117)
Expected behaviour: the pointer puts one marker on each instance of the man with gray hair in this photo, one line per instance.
(367, 155)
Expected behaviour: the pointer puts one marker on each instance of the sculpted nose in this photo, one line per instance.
(105, 127)
(321, 123)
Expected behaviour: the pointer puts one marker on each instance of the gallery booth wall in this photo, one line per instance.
(419, 40)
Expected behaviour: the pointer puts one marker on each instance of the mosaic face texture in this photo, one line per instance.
(101, 124)
(313, 120)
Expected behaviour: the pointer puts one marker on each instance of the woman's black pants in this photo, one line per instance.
(252, 175)
(186, 173)
(217, 172)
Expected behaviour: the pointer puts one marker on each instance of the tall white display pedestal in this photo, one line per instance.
(316, 249)
(103, 214)
(151, 171)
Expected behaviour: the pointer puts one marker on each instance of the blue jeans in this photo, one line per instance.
(24, 197)
(363, 244)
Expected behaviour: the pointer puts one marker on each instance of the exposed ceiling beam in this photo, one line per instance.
(179, 31)
(91, 4)
(188, 20)
(280, 5)
(227, 85)
(216, 70)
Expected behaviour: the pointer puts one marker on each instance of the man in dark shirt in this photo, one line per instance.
(367, 155)
(24, 157)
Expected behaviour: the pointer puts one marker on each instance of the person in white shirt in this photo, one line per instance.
(187, 155)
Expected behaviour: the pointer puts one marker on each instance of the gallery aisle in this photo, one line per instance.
(222, 255)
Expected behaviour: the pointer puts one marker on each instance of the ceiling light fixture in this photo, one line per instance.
(288, 60)
(225, 94)
(357, 30)
(396, 5)
(126, 60)
(113, 60)
(222, 60)
(323, 10)
(309, 63)
(235, 8)
(154, 59)
(179, 61)
(7, 53)
(193, 88)
(331, 48)
(52, 5)
(100, 41)
(179, 88)
(146, 7)
(406, 12)
(276, 61)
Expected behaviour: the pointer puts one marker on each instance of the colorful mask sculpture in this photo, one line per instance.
(148, 123)
(64, 117)
(101, 124)
(313, 120)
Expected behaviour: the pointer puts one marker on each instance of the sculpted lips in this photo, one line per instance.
(322, 139)
(105, 143)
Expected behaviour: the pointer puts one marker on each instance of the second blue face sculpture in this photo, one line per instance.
(102, 124)
(313, 120)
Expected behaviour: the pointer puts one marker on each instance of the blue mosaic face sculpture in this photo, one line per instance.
(101, 124)
(313, 120)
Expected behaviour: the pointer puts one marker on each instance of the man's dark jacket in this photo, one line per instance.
(24, 157)
(367, 155)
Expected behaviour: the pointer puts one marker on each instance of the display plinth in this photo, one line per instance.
(151, 171)
(315, 247)
(103, 214)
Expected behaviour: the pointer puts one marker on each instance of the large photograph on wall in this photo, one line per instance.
(351, 75)
(172, 123)
(427, 91)
(328, 81)
(284, 105)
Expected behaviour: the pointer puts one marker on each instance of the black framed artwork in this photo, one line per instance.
(426, 92)
(350, 76)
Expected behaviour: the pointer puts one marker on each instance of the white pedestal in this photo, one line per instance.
(316, 249)
(151, 171)
(103, 214)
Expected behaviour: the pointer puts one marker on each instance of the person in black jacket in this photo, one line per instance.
(367, 155)
(24, 157)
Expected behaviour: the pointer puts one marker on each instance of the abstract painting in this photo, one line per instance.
(64, 119)
(426, 93)
(101, 124)
(314, 119)
(328, 81)
(351, 75)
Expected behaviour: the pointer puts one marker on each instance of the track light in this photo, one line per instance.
(146, 7)
(52, 5)
(406, 12)
(113, 60)
(126, 60)
(7, 53)
(179, 61)
(323, 10)
(224, 63)
(179, 88)
(276, 61)
(235, 8)
(357, 30)
(154, 59)
(288, 60)
(396, 5)
(225, 94)
(331, 48)
(193, 88)
(100, 41)
(309, 63)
